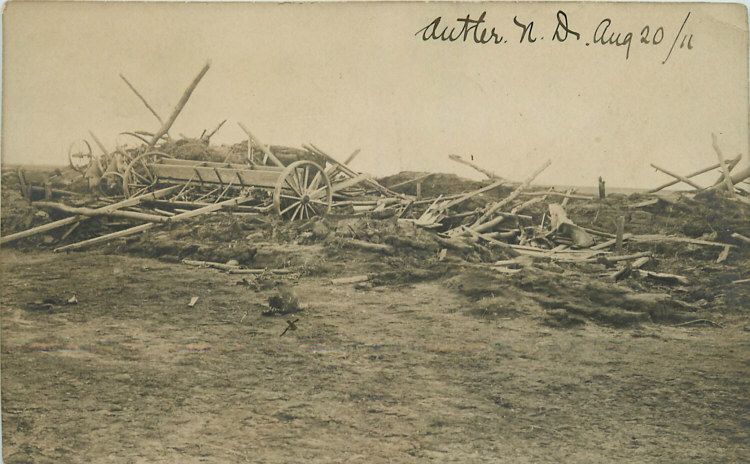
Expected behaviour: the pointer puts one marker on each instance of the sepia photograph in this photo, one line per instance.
(375, 232)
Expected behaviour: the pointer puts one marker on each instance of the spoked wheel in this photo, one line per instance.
(302, 191)
(79, 155)
(138, 175)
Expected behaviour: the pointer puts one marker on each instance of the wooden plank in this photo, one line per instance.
(214, 175)
(215, 164)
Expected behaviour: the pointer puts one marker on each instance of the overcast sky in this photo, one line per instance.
(347, 76)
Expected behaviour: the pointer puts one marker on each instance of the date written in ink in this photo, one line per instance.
(477, 30)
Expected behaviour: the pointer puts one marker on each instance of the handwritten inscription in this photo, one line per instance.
(476, 30)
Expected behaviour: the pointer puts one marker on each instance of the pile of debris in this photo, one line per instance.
(188, 200)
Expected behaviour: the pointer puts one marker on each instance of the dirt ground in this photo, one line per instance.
(394, 373)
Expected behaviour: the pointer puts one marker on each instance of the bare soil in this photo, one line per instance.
(407, 370)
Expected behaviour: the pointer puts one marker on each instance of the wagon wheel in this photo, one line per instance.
(138, 175)
(80, 158)
(302, 191)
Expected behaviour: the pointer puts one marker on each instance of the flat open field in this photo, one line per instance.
(407, 372)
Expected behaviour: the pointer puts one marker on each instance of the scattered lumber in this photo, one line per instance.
(101, 211)
(494, 207)
(147, 226)
(254, 141)
(694, 174)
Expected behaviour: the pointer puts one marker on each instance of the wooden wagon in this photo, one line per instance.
(300, 190)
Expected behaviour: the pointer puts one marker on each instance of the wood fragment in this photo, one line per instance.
(178, 108)
(410, 181)
(609, 242)
(694, 174)
(664, 277)
(723, 255)
(142, 99)
(678, 177)
(730, 166)
(264, 148)
(724, 168)
(489, 174)
(656, 238)
(351, 157)
(350, 280)
(602, 191)
(620, 232)
(698, 321)
(92, 212)
(494, 207)
(741, 238)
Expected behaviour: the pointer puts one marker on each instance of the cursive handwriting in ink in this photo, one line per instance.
(527, 30)
(562, 23)
(601, 37)
(473, 30)
(469, 30)
(690, 40)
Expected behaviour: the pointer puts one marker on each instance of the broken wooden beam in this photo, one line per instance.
(264, 148)
(178, 108)
(143, 100)
(656, 238)
(678, 177)
(489, 174)
(724, 168)
(694, 174)
(93, 212)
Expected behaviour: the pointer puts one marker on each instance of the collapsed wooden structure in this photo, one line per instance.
(150, 186)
